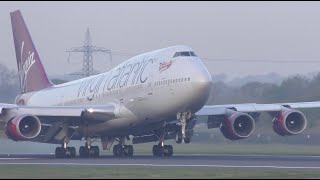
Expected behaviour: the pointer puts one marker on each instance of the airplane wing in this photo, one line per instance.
(237, 121)
(50, 123)
(253, 107)
(99, 113)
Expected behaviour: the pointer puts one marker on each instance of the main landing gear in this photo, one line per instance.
(89, 151)
(122, 150)
(65, 152)
(161, 150)
(84, 151)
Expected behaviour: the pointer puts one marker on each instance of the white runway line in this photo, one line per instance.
(170, 165)
(15, 158)
(243, 155)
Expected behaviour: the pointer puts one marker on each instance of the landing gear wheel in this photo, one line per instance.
(168, 150)
(84, 151)
(129, 150)
(69, 152)
(187, 140)
(155, 150)
(73, 152)
(159, 151)
(115, 150)
(60, 152)
(95, 150)
(178, 137)
(118, 150)
(122, 150)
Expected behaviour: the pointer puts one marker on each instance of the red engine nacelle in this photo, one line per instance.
(23, 127)
(237, 125)
(289, 122)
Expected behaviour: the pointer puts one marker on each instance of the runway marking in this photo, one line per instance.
(247, 155)
(15, 158)
(238, 155)
(170, 165)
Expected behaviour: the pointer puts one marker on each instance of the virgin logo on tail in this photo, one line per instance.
(24, 66)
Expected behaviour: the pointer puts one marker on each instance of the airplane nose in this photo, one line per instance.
(202, 83)
(201, 88)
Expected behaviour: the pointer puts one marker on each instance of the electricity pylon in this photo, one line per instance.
(88, 49)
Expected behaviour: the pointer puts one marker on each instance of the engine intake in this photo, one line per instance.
(23, 127)
(237, 125)
(289, 122)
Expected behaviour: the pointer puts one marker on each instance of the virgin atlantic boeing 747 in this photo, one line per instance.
(151, 97)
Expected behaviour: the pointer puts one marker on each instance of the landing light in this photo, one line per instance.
(90, 110)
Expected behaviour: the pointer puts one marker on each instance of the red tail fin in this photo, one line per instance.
(31, 72)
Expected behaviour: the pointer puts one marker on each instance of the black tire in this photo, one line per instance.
(155, 150)
(121, 151)
(170, 150)
(166, 150)
(96, 151)
(68, 152)
(125, 151)
(81, 151)
(160, 151)
(187, 140)
(62, 152)
(84, 152)
(178, 137)
(115, 150)
(73, 152)
(58, 152)
(130, 150)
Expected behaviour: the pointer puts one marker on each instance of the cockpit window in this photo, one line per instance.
(184, 53)
(176, 54)
(192, 53)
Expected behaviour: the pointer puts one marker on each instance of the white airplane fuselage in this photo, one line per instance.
(149, 88)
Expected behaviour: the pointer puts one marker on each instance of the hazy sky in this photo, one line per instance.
(262, 31)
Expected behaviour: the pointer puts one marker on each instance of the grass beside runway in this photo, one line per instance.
(54, 171)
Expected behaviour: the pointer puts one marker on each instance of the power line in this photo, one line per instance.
(211, 60)
(262, 60)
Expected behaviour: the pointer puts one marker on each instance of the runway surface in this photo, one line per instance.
(178, 160)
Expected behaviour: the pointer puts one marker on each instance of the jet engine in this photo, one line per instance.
(237, 125)
(289, 122)
(23, 127)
